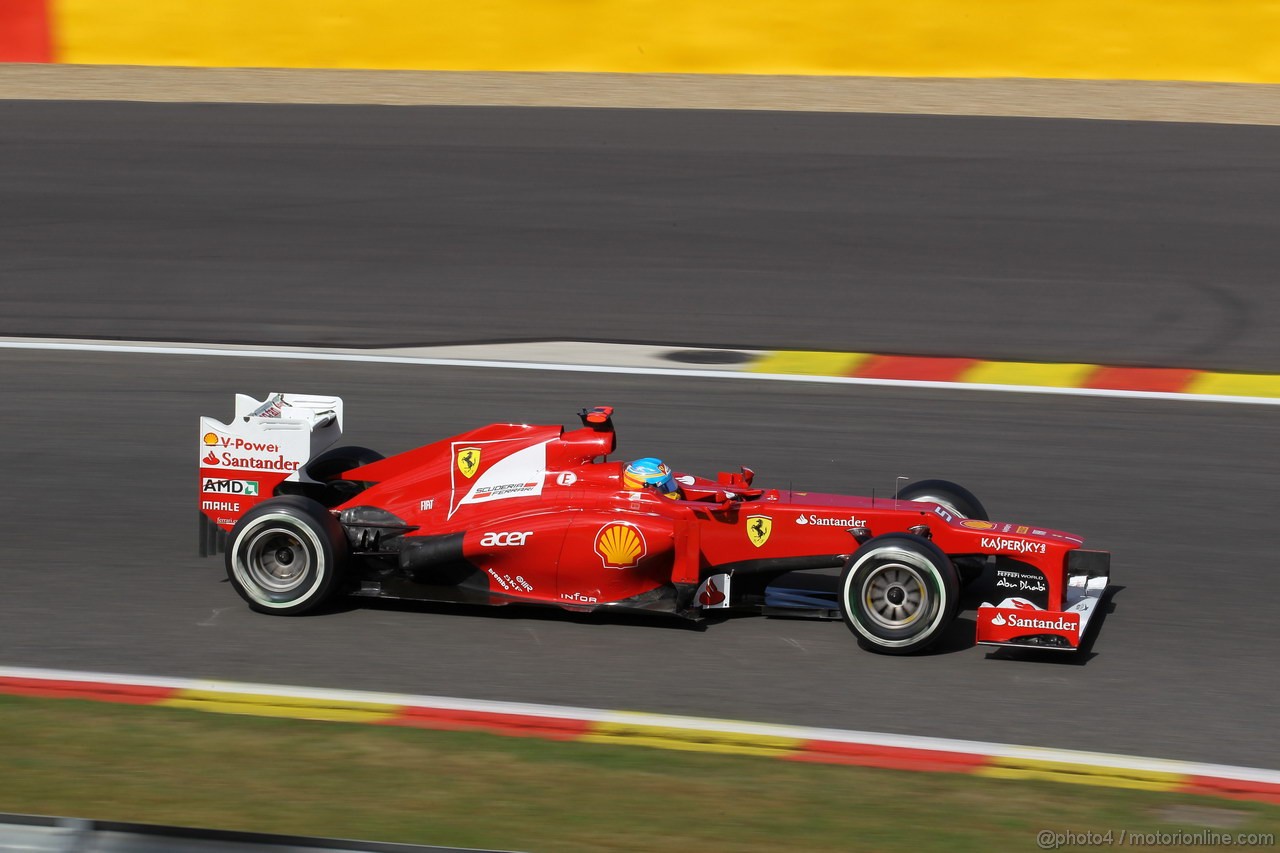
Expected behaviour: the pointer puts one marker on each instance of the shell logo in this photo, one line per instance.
(976, 524)
(620, 545)
(210, 438)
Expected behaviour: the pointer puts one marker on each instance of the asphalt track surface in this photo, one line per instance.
(164, 229)
(1038, 239)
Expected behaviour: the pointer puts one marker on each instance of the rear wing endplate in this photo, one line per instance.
(266, 443)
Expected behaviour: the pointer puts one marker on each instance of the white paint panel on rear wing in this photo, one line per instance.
(277, 435)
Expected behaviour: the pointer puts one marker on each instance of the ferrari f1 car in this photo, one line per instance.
(513, 513)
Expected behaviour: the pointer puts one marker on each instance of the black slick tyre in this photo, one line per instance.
(898, 594)
(330, 465)
(286, 556)
(948, 495)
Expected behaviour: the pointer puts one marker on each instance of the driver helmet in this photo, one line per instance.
(652, 473)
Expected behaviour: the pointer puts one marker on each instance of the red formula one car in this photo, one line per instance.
(513, 513)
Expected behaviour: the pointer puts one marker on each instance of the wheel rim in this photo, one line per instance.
(277, 560)
(894, 595)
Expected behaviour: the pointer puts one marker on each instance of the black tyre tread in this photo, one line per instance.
(326, 469)
(338, 460)
(950, 591)
(958, 496)
(332, 537)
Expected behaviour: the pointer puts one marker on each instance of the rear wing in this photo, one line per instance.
(266, 443)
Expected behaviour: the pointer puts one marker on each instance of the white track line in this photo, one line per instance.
(998, 750)
(357, 356)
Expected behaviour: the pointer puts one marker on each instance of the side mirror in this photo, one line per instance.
(742, 481)
(598, 418)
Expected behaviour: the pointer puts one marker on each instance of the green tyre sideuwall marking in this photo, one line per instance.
(898, 594)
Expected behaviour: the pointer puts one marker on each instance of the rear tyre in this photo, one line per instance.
(948, 495)
(326, 470)
(898, 594)
(286, 555)
(338, 460)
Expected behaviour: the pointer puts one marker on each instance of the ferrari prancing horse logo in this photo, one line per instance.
(758, 529)
(468, 461)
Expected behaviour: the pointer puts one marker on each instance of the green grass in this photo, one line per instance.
(157, 765)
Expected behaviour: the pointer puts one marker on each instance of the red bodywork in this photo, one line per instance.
(518, 513)
(541, 516)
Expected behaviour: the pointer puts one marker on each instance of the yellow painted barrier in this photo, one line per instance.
(1028, 373)
(1082, 774)
(691, 740)
(809, 363)
(1205, 40)
(1236, 384)
(259, 705)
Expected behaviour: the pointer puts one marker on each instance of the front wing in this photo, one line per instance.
(1020, 623)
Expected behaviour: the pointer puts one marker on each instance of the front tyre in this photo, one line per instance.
(948, 495)
(898, 594)
(285, 555)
